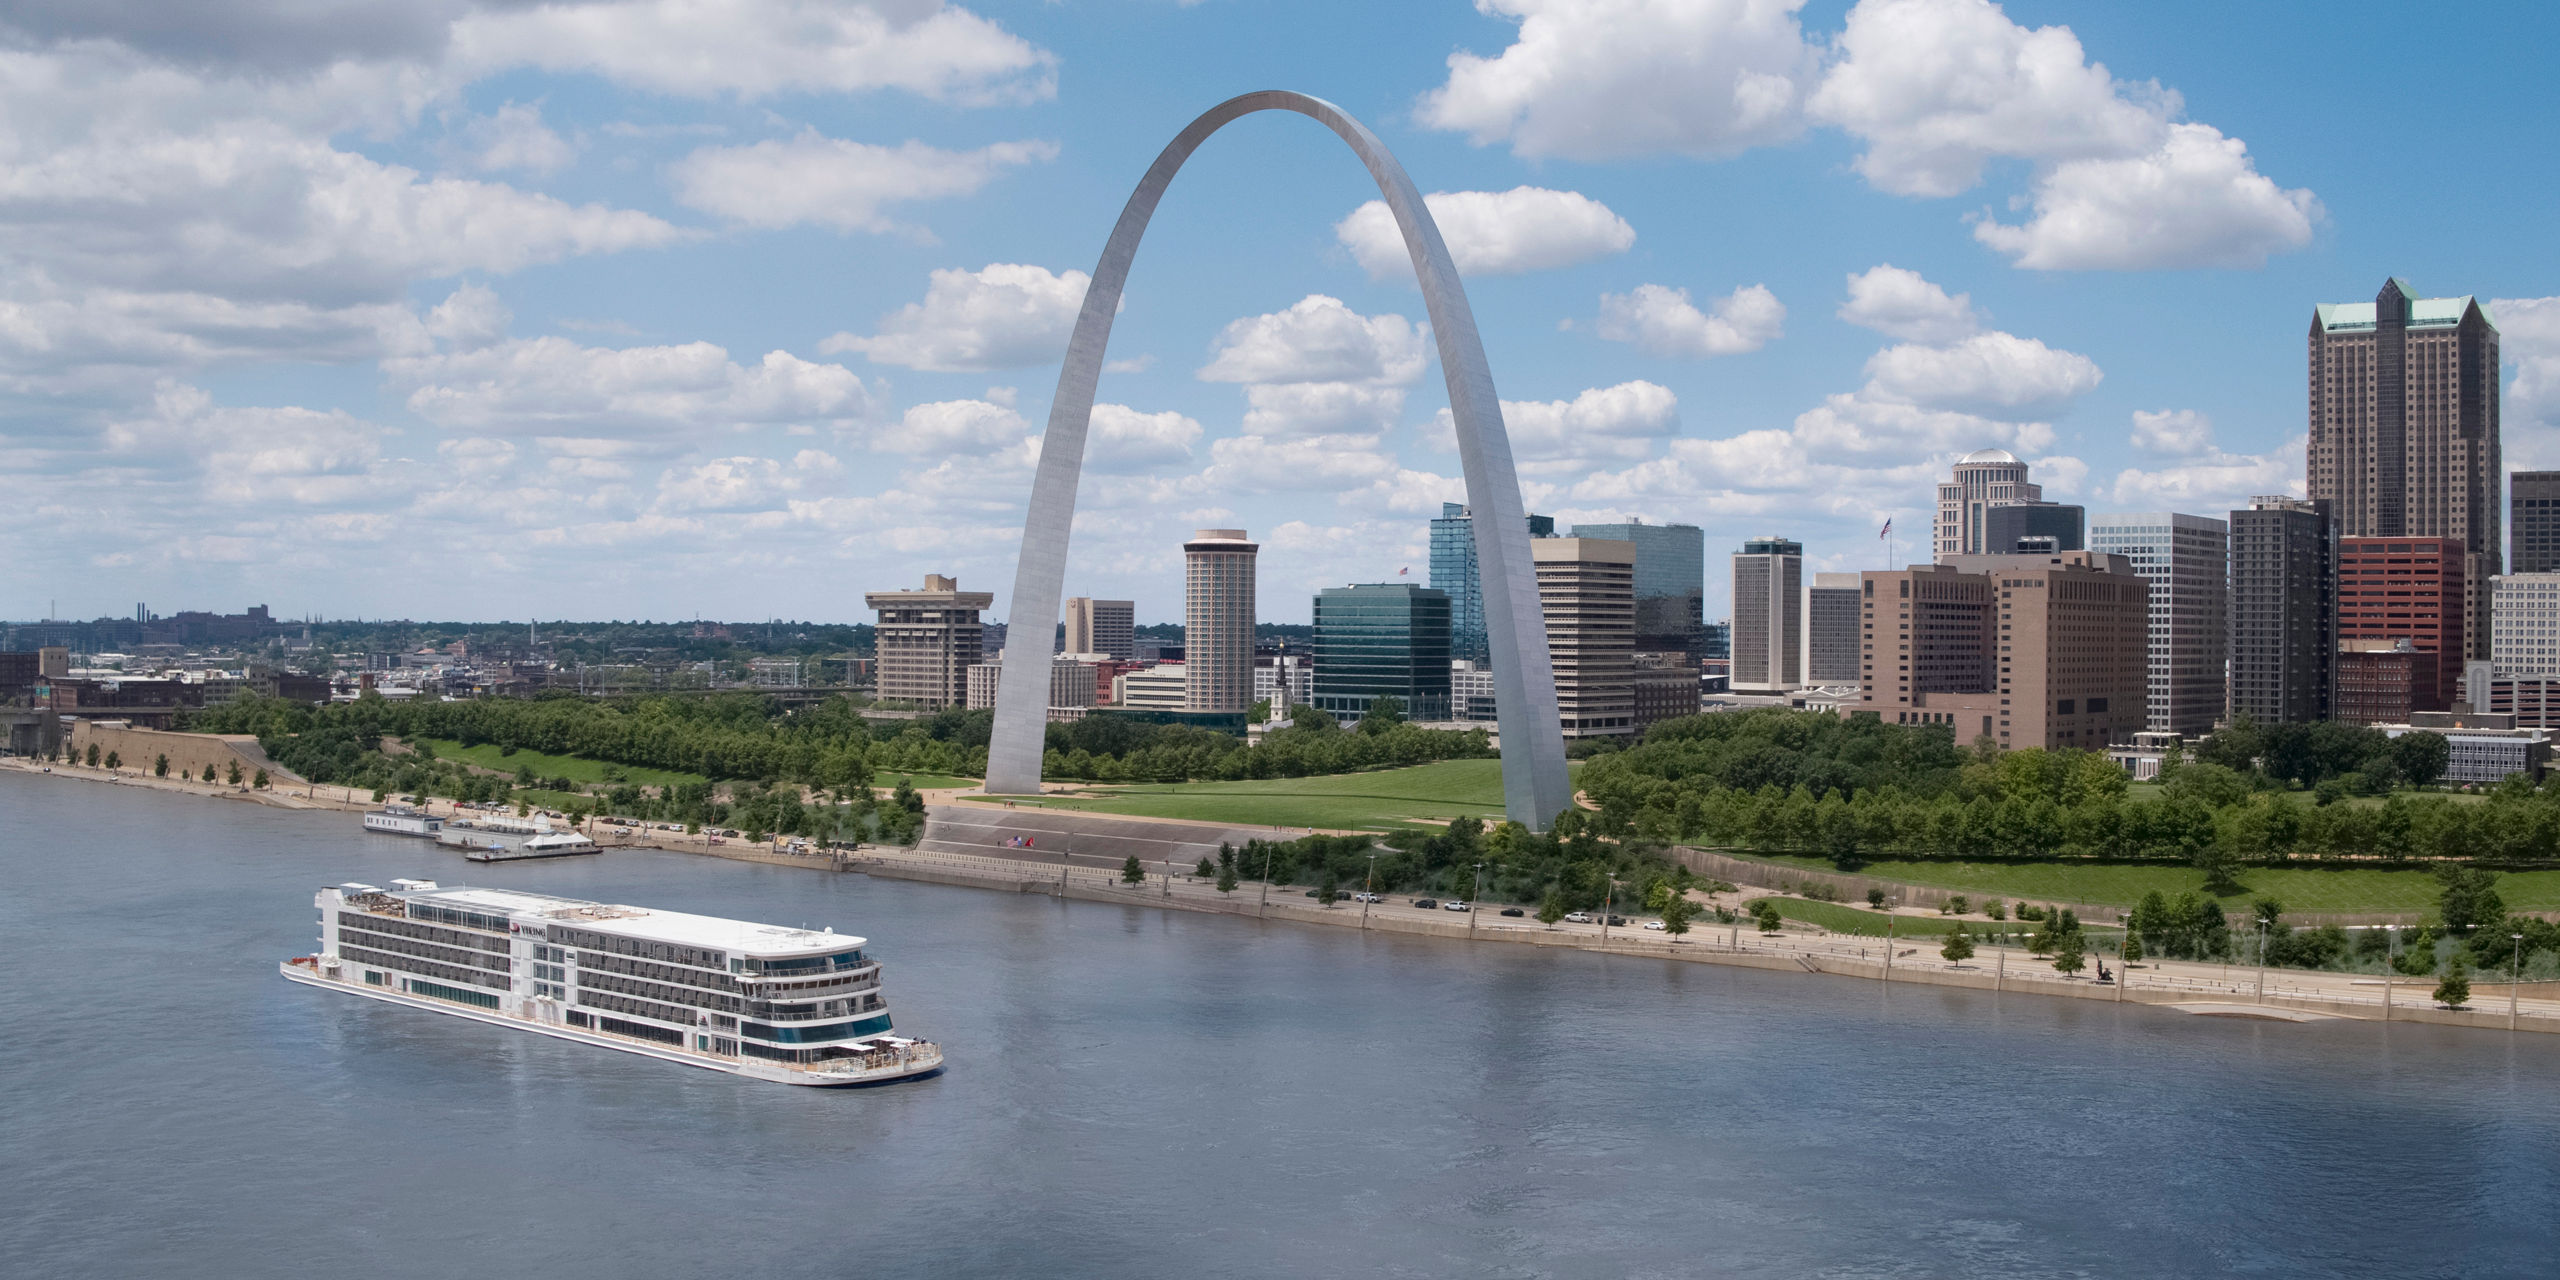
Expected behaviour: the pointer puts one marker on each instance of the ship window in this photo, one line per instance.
(811, 1035)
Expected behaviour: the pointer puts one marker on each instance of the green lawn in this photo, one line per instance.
(576, 768)
(884, 780)
(2344, 889)
(1840, 918)
(1384, 800)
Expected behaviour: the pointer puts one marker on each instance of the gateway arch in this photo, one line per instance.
(1535, 786)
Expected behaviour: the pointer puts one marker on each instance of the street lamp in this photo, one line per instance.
(1265, 905)
(2515, 979)
(1369, 889)
(1475, 902)
(2262, 957)
(2390, 965)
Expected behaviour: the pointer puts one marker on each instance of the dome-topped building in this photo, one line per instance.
(1987, 455)
(1984, 478)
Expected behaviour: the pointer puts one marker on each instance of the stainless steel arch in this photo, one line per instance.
(1535, 786)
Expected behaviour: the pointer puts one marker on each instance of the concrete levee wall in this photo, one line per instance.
(188, 753)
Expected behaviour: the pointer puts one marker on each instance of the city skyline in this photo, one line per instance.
(718, 332)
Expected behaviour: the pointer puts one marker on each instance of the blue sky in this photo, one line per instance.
(667, 308)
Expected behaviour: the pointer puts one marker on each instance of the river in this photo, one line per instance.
(1147, 1093)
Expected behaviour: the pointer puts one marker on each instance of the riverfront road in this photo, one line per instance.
(1080, 839)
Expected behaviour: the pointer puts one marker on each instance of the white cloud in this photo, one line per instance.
(514, 137)
(1317, 340)
(1864, 422)
(287, 455)
(1124, 441)
(1492, 233)
(552, 386)
(753, 48)
(1599, 79)
(2529, 344)
(1662, 321)
(2214, 483)
(833, 182)
(2172, 431)
(745, 483)
(1902, 304)
(1260, 464)
(967, 427)
(1320, 408)
(1602, 423)
(1002, 316)
(473, 316)
(1989, 373)
(2060, 476)
(2195, 202)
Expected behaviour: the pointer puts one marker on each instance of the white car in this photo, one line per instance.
(1455, 906)
(1654, 925)
(1366, 897)
(1577, 917)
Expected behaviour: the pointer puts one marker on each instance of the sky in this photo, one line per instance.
(741, 308)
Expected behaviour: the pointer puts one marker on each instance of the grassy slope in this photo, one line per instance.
(577, 768)
(1840, 918)
(1381, 800)
(885, 779)
(2298, 888)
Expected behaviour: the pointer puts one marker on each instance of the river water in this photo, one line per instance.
(1145, 1093)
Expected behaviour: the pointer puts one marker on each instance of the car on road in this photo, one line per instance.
(1654, 925)
(1513, 911)
(1367, 897)
(1455, 906)
(1617, 922)
(1577, 917)
(1426, 903)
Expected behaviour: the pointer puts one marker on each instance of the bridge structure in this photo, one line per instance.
(1535, 784)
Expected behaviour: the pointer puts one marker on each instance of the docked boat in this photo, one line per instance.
(499, 838)
(396, 819)
(794, 1006)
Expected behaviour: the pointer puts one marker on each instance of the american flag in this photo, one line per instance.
(1887, 529)
(1403, 571)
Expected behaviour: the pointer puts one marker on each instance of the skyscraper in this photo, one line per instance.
(1106, 627)
(2407, 589)
(2404, 428)
(1768, 616)
(2534, 512)
(927, 641)
(2284, 611)
(1453, 570)
(2187, 561)
(2004, 526)
(2028, 651)
(1587, 590)
(1382, 640)
(1984, 479)
(1217, 621)
(1831, 629)
(1671, 583)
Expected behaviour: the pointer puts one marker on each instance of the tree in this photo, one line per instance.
(2069, 955)
(2219, 865)
(160, 766)
(1770, 920)
(2467, 897)
(2132, 945)
(2455, 991)
(235, 773)
(1131, 872)
(1959, 905)
(1996, 910)
(1959, 946)
(1875, 897)
(1385, 712)
(1676, 914)
(1205, 869)
(1553, 909)
(114, 761)
(260, 782)
(1330, 889)
(1259, 713)
(93, 758)
(208, 776)
(1227, 876)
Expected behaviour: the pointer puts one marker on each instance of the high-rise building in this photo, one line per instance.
(2524, 624)
(2392, 589)
(2284, 611)
(1453, 570)
(1106, 627)
(1831, 629)
(2008, 525)
(2187, 561)
(1587, 591)
(1768, 616)
(2028, 651)
(1717, 640)
(1671, 583)
(2404, 429)
(1217, 620)
(1071, 684)
(2533, 517)
(927, 641)
(1382, 640)
(1984, 479)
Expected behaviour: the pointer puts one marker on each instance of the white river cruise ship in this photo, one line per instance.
(796, 1006)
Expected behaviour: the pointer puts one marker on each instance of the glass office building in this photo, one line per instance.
(1453, 573)
(1382, 639)
(1671, 583)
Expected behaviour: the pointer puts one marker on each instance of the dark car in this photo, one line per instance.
(1426, 903)
(1618, 921)
(1513, 911)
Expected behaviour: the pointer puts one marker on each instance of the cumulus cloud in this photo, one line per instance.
(833, 182)
(754, 48)
(2214, 482)
(745, 483)
(2172, 431)
(1601, 424)
(552, 386)
(1901, 304)
(1125, 441)
(1002, 316)
(1600, 79)
(1991, 373)
(1321, 408)
(1662, 321)
(473, 316)
(1494, 233)
(514, 137)
(2196, 201)
(954, 427)
(1317, 339)
(283, 454)
(2529, 344)
(1261, 464)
